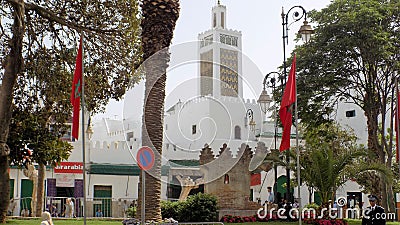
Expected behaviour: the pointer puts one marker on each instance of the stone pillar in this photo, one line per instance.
(187, 184)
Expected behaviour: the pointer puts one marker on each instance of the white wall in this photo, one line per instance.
(215, 120)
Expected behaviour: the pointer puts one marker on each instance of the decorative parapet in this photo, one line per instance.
(206, 155)
(179, 105)
(111, 146)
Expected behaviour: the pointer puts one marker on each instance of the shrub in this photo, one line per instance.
(312, 206)
(170, 209)
(199, 208)
(131, 212)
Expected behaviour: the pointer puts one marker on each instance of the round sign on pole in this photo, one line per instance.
(145, 158)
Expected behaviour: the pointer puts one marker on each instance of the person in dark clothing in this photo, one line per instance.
(374, 214)
(281, 203)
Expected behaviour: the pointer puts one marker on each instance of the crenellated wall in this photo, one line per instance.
(228, 177)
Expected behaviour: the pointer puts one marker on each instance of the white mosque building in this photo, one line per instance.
(218, 113)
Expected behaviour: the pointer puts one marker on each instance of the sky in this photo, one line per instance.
(261, 26)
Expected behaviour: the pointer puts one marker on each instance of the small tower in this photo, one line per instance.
(220, 51)
(218, 16)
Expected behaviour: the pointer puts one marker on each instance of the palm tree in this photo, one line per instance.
(330, 158)
(158, 24)
(324, 170)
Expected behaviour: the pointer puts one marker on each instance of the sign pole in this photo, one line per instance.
(143, 196)
(145, 160)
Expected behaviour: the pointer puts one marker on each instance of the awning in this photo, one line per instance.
(122, 170)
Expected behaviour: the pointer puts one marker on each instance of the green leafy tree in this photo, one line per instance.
(38, 40)
(353, 57)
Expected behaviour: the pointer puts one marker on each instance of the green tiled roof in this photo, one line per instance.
(123, 170)
(184, 163)
(22, 167)
(271, 134)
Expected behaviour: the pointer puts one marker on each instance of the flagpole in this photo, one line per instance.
(83, 135)
(298, 155)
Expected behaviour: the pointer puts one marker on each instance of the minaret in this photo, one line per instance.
(220, 51)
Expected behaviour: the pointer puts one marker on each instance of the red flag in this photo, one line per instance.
(287, 106)
(76, 92)
(397, 122)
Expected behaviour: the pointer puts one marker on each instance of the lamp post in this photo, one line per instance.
(305, 31)
(252, 123)
(264, 102)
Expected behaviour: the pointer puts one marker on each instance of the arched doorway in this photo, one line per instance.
(280, 188)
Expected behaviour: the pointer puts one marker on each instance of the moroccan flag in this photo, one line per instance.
(287, 107)
(397, 122)
(76, 92)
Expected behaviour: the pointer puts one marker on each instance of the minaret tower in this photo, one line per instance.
(220, 52)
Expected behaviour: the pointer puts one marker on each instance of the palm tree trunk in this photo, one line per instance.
(152, 136)
(390, 198)
(13, 67)
(40, 189)
(158, 24)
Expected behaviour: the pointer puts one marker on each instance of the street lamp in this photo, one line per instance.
(264, 102)
(252, 123)
(305, 31)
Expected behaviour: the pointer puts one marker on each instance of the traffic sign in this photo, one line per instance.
(145, 158)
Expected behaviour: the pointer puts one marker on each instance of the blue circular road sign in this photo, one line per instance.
(145, 158)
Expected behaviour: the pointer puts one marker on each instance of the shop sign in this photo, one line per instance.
(65, 180)
(69, 167)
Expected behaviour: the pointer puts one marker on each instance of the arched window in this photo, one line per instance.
(214, 20)
(237, 132)
(222, 20)
(226, 179)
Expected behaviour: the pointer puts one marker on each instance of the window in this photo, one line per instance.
(222, 20)
(228, 39)
(234, 41)
(226, 179)
(206, 41)
(351, 113)
(129, 135)
(237, 133)
(222, 38)
(193, 129)
(215, 20)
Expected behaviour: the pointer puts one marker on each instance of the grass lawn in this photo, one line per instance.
(119, 222)
(350, 222)
(65, 222)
